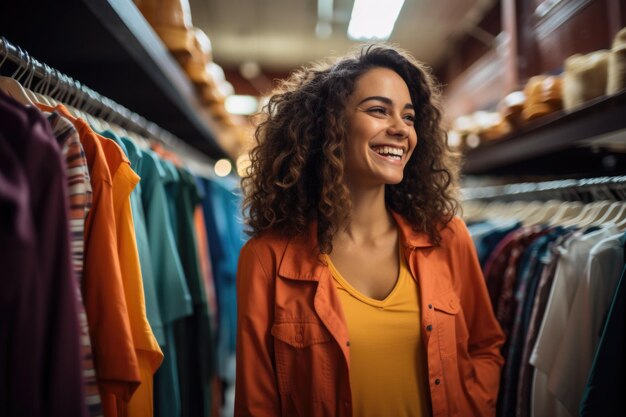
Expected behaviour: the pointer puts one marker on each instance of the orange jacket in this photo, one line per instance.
(293, 350)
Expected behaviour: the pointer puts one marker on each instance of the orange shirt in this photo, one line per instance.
(117, 367)
(148, 352)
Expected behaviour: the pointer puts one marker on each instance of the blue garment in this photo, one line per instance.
(605, 393)
(487, 234)
(222, 206)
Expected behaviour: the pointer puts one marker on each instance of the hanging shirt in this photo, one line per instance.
(40, 357)
(529, 273)
(584, 324)
(193, 334)
(147, 349)
(116, 361)
(604, 393)
(205, 261)
(153, 311)
(572, 264)
(387, 359)
(225, 232)
(536, 315)
(79, 188)
(170, 283)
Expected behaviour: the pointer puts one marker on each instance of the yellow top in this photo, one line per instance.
(387, 358)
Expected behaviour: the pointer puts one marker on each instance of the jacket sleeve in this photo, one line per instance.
(256, 392)
(485, 337)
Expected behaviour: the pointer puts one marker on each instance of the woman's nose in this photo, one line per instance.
(398, 127)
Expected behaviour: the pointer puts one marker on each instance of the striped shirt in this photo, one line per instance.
(79, 187)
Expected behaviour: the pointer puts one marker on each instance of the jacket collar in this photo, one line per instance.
(302, 259)
(409, 238)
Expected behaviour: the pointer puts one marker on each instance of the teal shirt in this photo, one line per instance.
(153, 312)
(172, 291)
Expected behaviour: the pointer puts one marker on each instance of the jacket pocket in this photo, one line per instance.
(300, 335)
(447, 307)
(302, 352)
(447, 302)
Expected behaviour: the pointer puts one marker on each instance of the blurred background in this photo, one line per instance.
(534, 99)
(198, 68)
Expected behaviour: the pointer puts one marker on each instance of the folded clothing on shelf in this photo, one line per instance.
(585, 78)
(617, 64)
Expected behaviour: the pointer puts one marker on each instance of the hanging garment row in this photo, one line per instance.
(555, 275)
(118, 292)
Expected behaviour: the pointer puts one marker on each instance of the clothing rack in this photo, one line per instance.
(69, 91)
(599, 188)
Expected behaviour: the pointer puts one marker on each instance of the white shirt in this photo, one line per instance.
(571, 269)
(570, 371)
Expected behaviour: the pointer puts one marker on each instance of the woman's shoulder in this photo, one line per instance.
(267, 244)
(455, 231)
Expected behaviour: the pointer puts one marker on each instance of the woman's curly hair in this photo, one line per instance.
(297, 166)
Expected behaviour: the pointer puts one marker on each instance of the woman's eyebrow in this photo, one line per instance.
(385, 100)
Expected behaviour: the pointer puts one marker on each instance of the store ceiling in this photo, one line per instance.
(280, 34)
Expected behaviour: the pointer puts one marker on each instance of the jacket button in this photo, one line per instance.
(430, 306)
(429, 327)
(437, 381)
(299, 337)
(348, 343)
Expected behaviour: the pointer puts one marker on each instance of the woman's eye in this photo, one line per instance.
(380, 110)
(410, 118)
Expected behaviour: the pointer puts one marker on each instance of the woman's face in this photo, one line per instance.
(381, 135)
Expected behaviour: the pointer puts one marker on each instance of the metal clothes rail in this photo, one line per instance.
(69, 91)
(612, 188)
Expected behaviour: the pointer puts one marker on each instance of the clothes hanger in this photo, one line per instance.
(529, 209)
(471, 210)
(611, 211)
(603, 200)
(518, 208)
(41, 86)
(64, 93)
(9, 85)
(31, 70)
(596, 213)
(542, 216)
(568, 210)
(98, 110)
(619, 217)
(51, 94)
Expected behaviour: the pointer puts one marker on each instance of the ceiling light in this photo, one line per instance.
(324, 29)
(238, 104)
(373, 19)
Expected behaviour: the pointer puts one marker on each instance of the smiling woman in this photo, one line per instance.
(357, 257)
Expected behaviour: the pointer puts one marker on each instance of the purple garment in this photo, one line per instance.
(40, 360)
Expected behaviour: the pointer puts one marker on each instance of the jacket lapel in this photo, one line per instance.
(302, 262)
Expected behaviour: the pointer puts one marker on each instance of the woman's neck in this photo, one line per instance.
(369, 217)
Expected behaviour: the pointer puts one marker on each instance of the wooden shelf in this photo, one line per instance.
(579, 142)
(109, 47)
